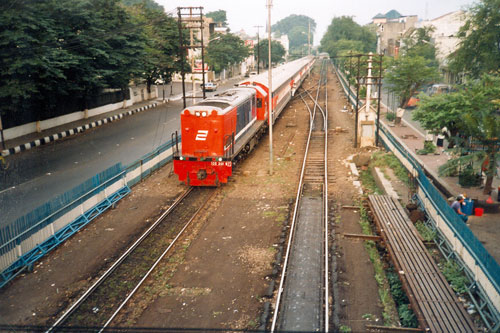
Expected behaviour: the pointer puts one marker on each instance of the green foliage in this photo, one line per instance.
(380, 159)
(150, 4)
(55, 52)
(407, 317)
(219, 17)
(407, 74)
(429, 148)
(161, 35)
(344, 28)
(397, 291)
(226, 50)
(390, 116)
(479, 48)
(419, 44)
(369, 182)
(296, 27)
(472, 111)
(427, 233)
(455, 276)
(284, 26)
(441, 110)
(277, 52)
(345, 329)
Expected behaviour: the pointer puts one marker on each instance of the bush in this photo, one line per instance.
(390, 116)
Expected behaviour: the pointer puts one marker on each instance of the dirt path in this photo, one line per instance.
(358, 291)
(220, 276)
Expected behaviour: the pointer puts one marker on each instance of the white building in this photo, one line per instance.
(445, 32)
(444, 37)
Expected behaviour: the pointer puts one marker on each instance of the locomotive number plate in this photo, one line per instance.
(227, 164)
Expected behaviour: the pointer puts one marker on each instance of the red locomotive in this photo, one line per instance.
(216, 131)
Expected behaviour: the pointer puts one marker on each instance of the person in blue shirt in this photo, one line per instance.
(456, 205)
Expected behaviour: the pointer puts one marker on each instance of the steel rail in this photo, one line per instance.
(327, 307)
(110, 270)
(312, 115)
(139, 284)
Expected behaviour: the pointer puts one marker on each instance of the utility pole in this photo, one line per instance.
(270, 85)
(191, 51)
(195, 21)
(309, 38)
(357, 105)
(181, 49)
(1, 132)
(258, 47)
(379, 97)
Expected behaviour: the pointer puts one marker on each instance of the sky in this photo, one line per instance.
(247, 14)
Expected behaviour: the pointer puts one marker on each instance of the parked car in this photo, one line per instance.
(210, 86)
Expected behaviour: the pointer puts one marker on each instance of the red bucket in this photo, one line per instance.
(478, 211)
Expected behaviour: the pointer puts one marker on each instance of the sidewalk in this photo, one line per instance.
(485, 227)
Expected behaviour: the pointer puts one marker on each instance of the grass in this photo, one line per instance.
(384, 160)
(345, 329)
(279, 215)
(369, 182)
(427, 233)
(455, 276)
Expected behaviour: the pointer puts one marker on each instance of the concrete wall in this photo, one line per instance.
(137, 94)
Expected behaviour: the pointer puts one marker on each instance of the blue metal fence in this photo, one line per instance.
(487, 263)
(12, 235)
(483, 259)
(39, 218)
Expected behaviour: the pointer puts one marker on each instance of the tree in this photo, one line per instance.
(407, 74)
(161, 35)
(345, 29)
(479, 48)
(277, 52)
(56, 53)
(473, 112)
(419, 44)
(219, 17)
(296, 27)
(442, 110)
(150, 4)
(225, 50)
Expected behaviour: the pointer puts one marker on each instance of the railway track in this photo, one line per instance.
(98, 306)
(302, 301)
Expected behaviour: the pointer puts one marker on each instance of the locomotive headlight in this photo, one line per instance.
(197, 113)
(220, 159)
(181, 158)
(203, 114)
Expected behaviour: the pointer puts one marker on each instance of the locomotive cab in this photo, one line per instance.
(209, 132)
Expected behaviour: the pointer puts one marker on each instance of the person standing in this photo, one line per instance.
(457, 205)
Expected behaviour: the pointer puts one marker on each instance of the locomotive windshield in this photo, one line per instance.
(221, 105)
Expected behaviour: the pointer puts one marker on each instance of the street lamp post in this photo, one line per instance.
(270, 93)
(258, 48)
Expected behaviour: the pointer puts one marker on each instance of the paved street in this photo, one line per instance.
(37, 175)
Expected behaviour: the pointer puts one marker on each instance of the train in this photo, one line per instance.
(219, 130)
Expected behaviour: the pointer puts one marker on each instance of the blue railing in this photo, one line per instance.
(483, 258)
(25, 227)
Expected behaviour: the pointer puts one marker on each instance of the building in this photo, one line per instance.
(444, 37)
(391, 27)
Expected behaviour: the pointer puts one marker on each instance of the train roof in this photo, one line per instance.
(225, 101)
(281, 74)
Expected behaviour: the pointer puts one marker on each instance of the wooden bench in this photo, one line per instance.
(435, 304)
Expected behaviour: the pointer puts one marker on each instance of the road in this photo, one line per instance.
(36, 176)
